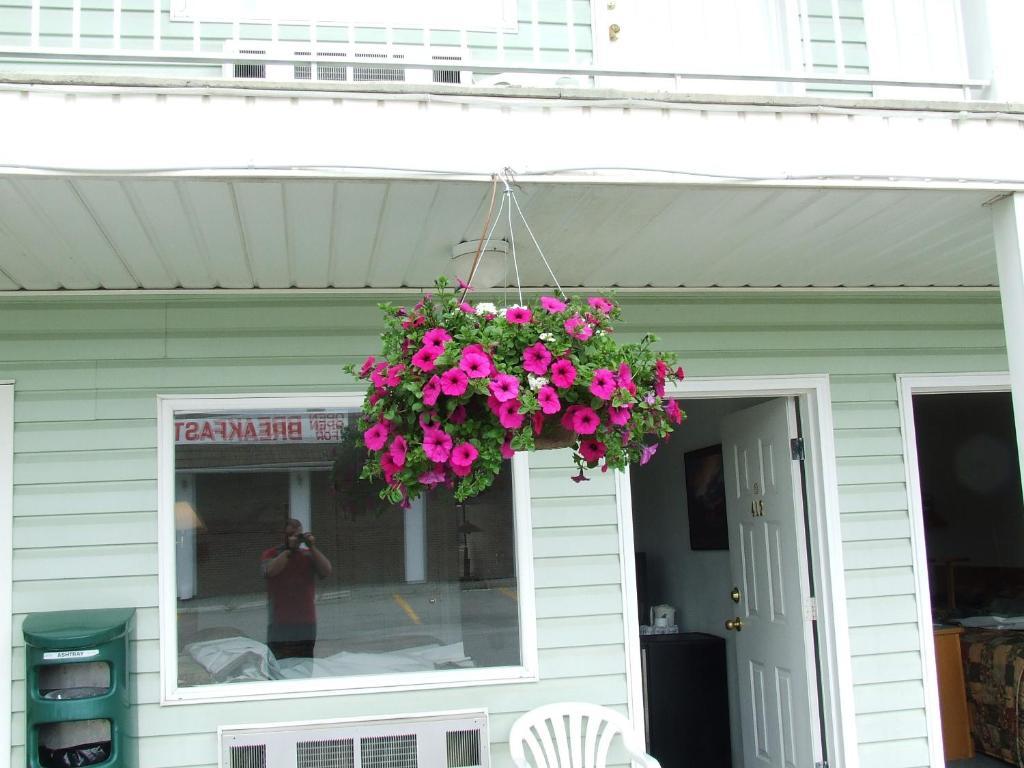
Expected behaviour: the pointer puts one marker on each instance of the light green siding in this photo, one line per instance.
(87, 374)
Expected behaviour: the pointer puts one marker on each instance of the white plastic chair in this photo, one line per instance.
(573, 734)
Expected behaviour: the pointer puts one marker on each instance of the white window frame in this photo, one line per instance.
(171, 693)
(909, 386)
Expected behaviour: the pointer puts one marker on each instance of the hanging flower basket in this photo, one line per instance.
(460, 387)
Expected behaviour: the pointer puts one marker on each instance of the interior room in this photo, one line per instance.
(974, 536)
(684, 584)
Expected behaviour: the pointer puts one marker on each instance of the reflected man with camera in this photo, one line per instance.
(291, 571)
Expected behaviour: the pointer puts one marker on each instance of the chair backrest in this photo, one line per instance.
(572, 735)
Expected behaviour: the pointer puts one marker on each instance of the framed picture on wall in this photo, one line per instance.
(705, 498)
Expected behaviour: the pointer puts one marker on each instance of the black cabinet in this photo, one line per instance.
(686, 700)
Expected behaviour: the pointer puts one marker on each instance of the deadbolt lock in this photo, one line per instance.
(734, 625)
(735, 594)
(613, 32)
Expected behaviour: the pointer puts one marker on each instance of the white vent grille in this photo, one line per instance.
(389, 752)
(443, 740)
(463, 748)
(249, 756)
(326, 753)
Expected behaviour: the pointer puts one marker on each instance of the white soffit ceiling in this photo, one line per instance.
(104, 233)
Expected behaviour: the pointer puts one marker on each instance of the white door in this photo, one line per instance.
(774, 665)
(695, 36)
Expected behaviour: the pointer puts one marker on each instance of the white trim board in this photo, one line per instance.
(171, 693)
(908, 386)
(6, 568)
(813, 395)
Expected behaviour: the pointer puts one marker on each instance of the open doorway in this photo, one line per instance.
(723, 581)
(972, 519)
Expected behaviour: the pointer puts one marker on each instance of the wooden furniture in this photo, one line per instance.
(956, 726)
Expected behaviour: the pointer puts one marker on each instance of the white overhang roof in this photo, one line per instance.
(135, 233)
(160, 187)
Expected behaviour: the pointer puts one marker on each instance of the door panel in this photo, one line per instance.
(766, 539)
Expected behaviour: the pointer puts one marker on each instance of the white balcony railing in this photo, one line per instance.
(859, 48)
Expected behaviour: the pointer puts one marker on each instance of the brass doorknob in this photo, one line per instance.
(735, 594)
(613, 32)
(734, 625)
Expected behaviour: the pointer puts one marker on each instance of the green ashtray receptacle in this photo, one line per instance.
(77, 705)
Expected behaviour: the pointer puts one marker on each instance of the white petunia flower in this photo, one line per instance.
(548, 337)
(536, 382)
(486, 308)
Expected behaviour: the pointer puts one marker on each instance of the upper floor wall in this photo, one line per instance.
(925, 50)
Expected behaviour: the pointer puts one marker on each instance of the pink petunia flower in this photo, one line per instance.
(379, 375)
(506, 447)
(673, 412)
(577, 327)
(437, 444)
(504, 387)
(454, 382)
(647, 453)
(394, 377)
(548, 399)
(536, 359)
(519, 315)
(436, 338)
(563, 373)
(592, 450)
(375, 437)
(568, 416)
(467, 308)
(625, 379)
(460, 470)
(424, 358)
(680, 373)
(509, 415)
(388, 467)
(463, 285)
(414, 322)
(602, 384)
(398, 450)
(618, 417)
(458, 416)
(479, 350)
(464, 454)
(600, 304)
(431, 391)
(367, 367)
(585, 421)
(580, 478)
(537, 422)
(475, 365)
(551, 304)
(493, 404)
(433, 477)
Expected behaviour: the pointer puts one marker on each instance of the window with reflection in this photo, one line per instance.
(288, 567)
